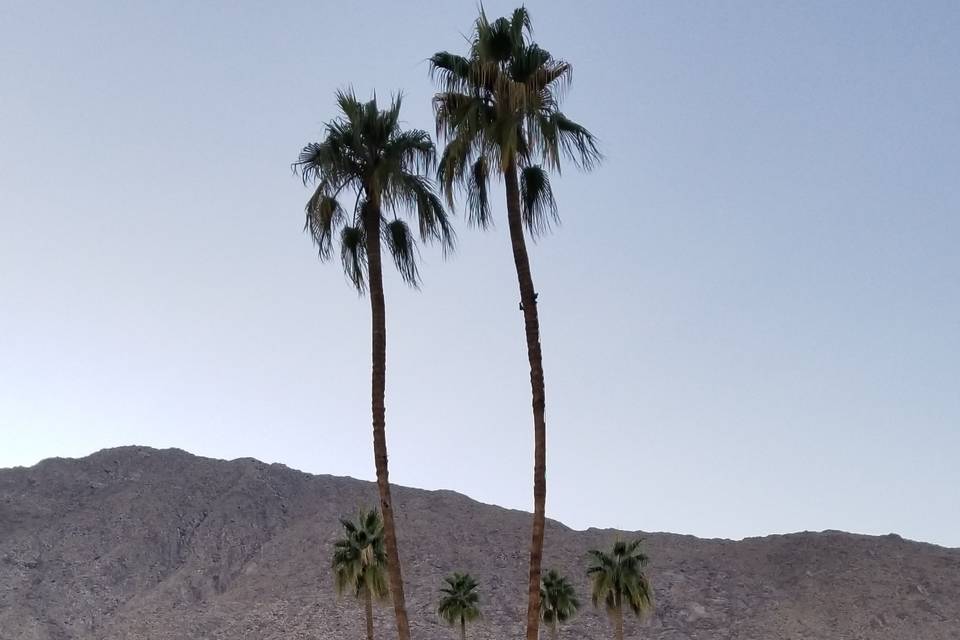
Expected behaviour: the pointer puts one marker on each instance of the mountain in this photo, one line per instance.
(137, 543)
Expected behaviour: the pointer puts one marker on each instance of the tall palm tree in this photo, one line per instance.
(459, 601)
(360, 561)
(619, 580)
(558, 601)
(498, 110)
(366, 157)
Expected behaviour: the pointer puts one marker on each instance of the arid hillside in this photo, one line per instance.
(136, 543)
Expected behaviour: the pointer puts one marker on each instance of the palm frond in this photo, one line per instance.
(459, 114)
(376, 582)
(451, 168)
(450, 71)
(349, 105)
(520, 24)
(411, 150)
(536, 196)
(320, 161)
(527, 62)
(562, 136)
(353, 254)
(417, 194)
(478, 201)
(403, 249)
(389, 118)
(324, 215)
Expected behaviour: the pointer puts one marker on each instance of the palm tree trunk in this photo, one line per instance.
(618, 623)
(463, 629)
(379, 330)
(532, 326)
(368, 608)
(554, 630)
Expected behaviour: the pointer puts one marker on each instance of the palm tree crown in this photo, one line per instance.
(619, 579)
(558, 600)
(367, 158)
(359, 558)
(459, 602)
(498, 107)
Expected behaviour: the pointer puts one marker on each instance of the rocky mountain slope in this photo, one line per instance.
(136, 543)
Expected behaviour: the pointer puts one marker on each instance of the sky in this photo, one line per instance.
(750, 314)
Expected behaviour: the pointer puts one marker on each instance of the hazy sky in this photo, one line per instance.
(750, 316)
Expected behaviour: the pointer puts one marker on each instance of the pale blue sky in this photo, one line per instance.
(751, 314)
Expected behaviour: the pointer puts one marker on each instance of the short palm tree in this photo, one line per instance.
(359, 562)
(558, 601)
(619, 580)
(498, 111)
(459, 601)
(367, 160)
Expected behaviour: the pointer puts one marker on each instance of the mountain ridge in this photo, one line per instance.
(134, 542)
(281, 465)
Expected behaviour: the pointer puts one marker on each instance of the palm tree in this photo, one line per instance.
(558, 601)
(366, 156)
(618, 579)
(459, 603)
(359, 562)
(498, 110)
